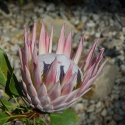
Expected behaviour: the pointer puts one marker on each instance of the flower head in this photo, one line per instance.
(53, 81)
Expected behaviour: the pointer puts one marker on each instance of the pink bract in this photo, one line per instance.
(53, 81)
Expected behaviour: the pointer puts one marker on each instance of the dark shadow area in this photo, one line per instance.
(96, 6)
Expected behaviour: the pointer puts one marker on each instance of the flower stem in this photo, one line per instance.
(30, 115)
(16, 100)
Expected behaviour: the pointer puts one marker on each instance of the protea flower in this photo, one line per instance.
(53, 81)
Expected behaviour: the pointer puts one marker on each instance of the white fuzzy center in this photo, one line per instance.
(45, 60)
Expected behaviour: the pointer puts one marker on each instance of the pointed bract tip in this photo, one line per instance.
(42, 22)
(24, 26)
(102, 49)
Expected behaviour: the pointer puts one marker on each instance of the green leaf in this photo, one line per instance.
(7, 104)
(5, 67)
(67, 117)
(7, 77)
(26, 121)
(3, 79)
(3, 118)
(13, 85)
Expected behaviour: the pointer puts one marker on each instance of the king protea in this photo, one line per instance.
(53, 81)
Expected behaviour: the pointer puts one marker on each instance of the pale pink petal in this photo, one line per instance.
(68, 46)
(55, 91)
(27, 76)
(29, 45)
(98, 60)
(79, 51)
(90, 70)
(87, 77)
(84, 92)
(26, 92)
(68, 74)
(35, 100)
(25, 34)
(71, 95)
(87, 81)
(34, 56)
(68, 87)
(34, 37)
(60, 46)
(28, 37)
(87, 85)
(59, 100)
(31, 90)
(50, 78)
(86, 88)
(101, 67)
(57, 110)
(59, 106)
(42, 91)
(73, 101)
(42, 40)
(48, 107)
(47, 43)
(45, 100)
(50, 41)
(89, 57)
(36, 70)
